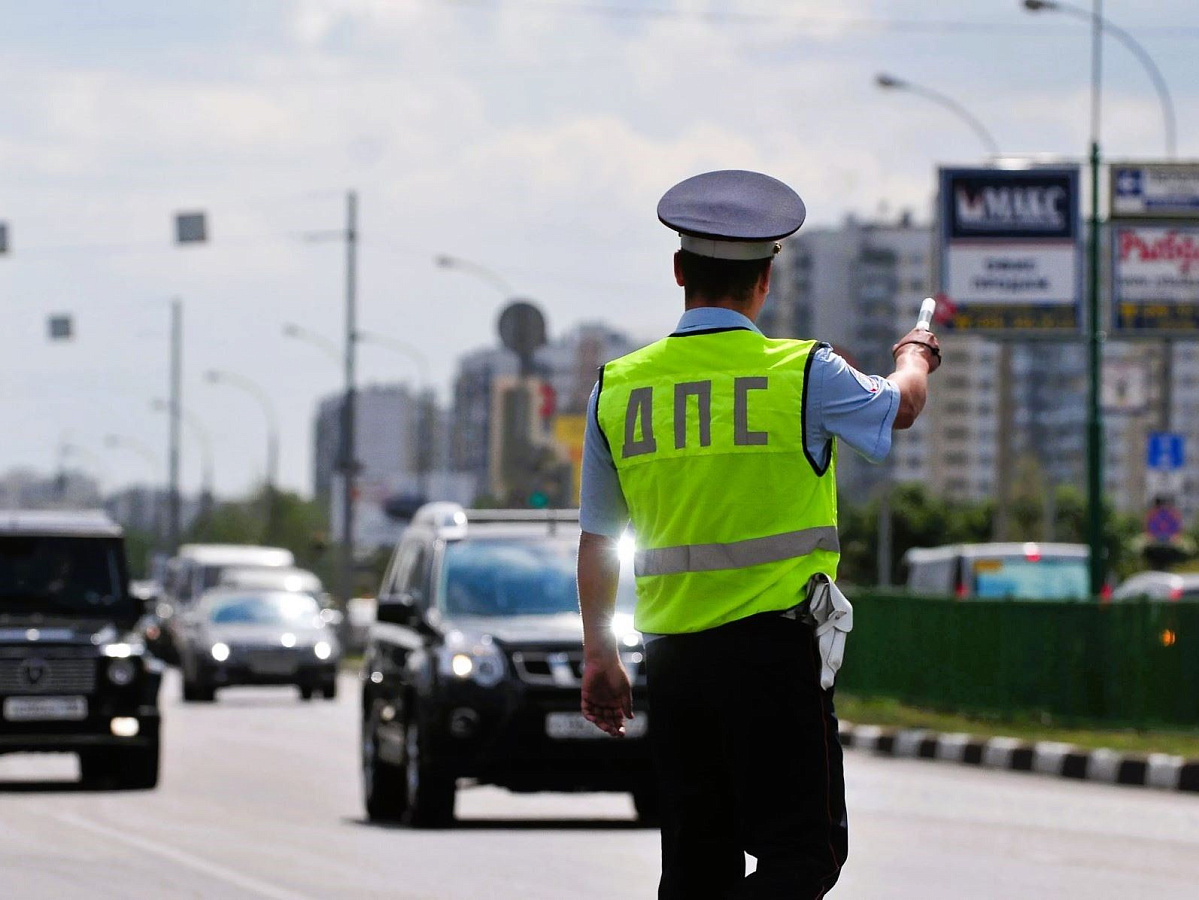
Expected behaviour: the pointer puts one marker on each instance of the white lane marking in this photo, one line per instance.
(203, 866)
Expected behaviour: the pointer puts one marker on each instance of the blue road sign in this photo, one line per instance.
(1164, 523)
(1165, 451)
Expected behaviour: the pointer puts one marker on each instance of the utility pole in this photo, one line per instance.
(1094, 334)
(349, 461)
(175, 408)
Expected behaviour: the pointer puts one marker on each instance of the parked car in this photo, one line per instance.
(73, 676)
(1159, 586)
(236, 636)
(1028, 571)
(473, 669)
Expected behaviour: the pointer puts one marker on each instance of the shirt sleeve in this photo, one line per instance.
(602, 507)
(843, 403)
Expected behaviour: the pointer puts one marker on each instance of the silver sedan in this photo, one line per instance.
(236, 636)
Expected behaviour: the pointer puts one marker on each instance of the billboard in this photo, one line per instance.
(1010, 249)
(1154, 190)
(1155, 276)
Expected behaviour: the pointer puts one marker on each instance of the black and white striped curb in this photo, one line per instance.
(1157, 770)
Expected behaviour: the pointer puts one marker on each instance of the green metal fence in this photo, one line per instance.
(1125, 664)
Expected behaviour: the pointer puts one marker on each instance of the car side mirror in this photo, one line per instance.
(332, 617)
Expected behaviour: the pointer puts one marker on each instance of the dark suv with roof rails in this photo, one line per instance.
(73, 675)
(473, 669)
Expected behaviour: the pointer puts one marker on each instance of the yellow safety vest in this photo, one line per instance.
(731, 514)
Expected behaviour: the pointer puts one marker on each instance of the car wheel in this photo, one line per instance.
(430, 789)
(306, 692)
(329, 690)
(383, 785)
(645, 802)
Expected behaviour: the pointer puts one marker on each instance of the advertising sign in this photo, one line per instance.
(1155, 276)
(1154, 190)
(1011, 249)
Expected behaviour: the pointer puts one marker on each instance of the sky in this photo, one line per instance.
(531, 137)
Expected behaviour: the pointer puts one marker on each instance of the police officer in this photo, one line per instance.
(716, 445)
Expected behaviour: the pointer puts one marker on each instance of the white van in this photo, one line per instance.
(198, 567)
(1028, 571)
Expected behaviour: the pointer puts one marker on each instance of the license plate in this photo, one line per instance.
(277, 665)
(45, 709)
(569, 726)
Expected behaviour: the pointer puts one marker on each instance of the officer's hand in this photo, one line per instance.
(922, 341)
(607, 695)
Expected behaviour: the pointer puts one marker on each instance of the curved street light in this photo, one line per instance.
(891, 82)
(1155, 75)
(219, 376)
(408, 351)
(132, 444)
(203, 439)
(322, 343)
(136, 446)
(492, 277)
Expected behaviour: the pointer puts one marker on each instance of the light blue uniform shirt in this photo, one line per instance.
(842, 403)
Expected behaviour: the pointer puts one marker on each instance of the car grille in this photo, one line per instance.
(564, 669)
(35, 675)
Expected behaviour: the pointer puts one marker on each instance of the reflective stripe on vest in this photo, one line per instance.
(737, 555)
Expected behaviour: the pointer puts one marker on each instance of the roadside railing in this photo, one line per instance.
(1127, 664)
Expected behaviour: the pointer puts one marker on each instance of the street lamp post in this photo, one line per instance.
(123, 442)
(322, 343)
(444, 261)
(891, 83)
(203, 439)
(217, 376)
(1094, 334)
(1099, 24)
(1134, 47)
(885, 536)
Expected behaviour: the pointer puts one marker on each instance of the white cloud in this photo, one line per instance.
(534, 139)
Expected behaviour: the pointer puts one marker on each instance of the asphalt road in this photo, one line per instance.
(259, 799)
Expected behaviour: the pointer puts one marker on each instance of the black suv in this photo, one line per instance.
(473, 669)
(73, 677)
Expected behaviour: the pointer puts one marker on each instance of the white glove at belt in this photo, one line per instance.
(831, 615)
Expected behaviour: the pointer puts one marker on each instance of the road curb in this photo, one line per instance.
(1157, 770)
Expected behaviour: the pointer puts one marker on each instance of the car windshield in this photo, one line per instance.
(514, 577)
(265, 609)
(74, 576)
(1021, 578)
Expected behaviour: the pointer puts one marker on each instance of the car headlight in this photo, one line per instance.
(220, 652)
(121, 671)
(123, 649)
(480, 661)
(322, 649)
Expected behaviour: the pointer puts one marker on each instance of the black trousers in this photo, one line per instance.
(748, 761)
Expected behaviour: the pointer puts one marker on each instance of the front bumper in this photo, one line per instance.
(236, 672)
(499, 736)
(94, 731)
